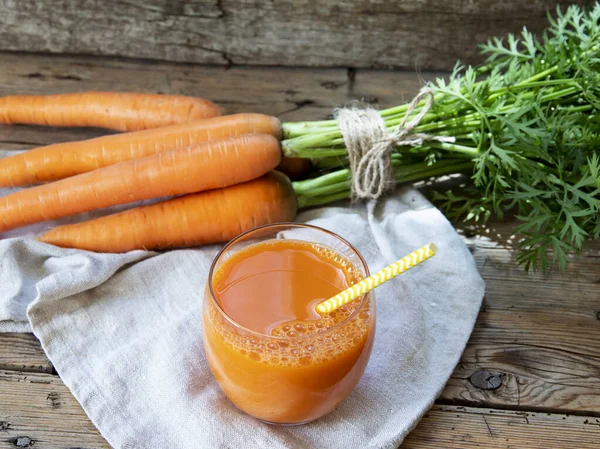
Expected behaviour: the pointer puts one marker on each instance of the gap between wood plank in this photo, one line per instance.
(518, 408)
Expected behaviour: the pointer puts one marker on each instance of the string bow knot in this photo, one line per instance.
(370, 144)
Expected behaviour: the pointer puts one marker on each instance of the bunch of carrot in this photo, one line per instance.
(219, 169)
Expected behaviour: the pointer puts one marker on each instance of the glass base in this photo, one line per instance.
(285, 424)
(272, 423)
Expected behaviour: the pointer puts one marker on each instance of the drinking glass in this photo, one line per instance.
(282, 379)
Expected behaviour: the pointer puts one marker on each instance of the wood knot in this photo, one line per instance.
(4, 426)
(23, 442)
(54, 399)
(484, 380)
(332, 85)
(370, 99)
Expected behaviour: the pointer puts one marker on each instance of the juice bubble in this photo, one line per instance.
(300, 327)
(254, 356)
(272, 346)
(305, 361)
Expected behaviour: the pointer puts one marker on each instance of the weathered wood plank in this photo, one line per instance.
(37, 410)
(22, 352)
(386, 33)
(290, 94)
(574, 292)
(287, 93)
(522, 376)
(461, 428)
(534, 343)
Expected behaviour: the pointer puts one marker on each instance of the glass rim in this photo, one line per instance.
(237, 325)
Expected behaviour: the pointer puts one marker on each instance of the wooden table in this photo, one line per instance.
(530, 374)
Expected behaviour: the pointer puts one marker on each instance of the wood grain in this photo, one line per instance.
(37, 410)
(536, 333)
(429, 34)
(22, 352)
(450, 427)
(287, 93)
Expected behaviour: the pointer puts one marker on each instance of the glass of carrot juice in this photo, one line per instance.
(271, 352)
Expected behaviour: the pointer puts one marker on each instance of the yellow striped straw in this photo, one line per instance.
(366, 285)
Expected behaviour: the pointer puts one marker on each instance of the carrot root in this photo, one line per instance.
(211, 165)
(62, 160)
(121, 111)
(191, 220)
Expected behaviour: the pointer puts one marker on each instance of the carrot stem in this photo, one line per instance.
(336, 185)
(305, 202)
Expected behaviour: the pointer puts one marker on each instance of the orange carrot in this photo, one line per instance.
(122, 111)
(294, 167)
(190, 220)
(62, 160)
(212, 165)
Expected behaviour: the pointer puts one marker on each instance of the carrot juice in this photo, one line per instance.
(271, 352)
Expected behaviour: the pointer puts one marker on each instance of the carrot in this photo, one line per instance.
(122, 111)
(294, 167)
(212, 165)
(190, 220)
(62, 160)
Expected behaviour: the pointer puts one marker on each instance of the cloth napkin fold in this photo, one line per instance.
(124, 333)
